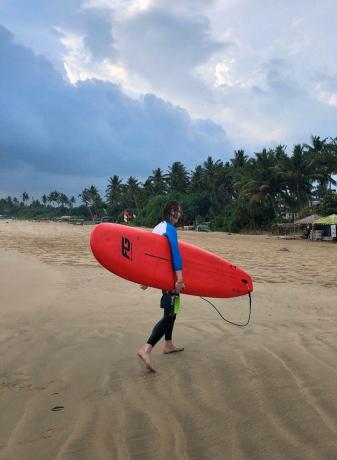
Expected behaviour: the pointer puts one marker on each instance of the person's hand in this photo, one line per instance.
(179, 286)
(142, 286)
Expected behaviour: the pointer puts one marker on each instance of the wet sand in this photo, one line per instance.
(70, 330)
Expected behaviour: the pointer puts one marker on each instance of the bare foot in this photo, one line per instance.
(172, 349)
(145, 357)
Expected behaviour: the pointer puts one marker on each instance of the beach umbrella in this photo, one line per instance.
(329, 220)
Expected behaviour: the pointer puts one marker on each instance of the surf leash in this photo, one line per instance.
(227, 320)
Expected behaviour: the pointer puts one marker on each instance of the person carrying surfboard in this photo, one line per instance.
(171, 215)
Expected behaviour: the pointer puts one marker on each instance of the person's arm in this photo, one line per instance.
(177, 261)
(179, 285)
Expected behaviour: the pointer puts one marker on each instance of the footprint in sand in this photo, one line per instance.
(47, 434)
(57, 408)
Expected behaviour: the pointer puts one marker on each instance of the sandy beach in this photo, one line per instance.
(72, 387)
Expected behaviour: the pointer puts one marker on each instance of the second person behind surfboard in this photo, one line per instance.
(171, 215)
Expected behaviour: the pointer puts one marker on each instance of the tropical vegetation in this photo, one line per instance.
(244, 193)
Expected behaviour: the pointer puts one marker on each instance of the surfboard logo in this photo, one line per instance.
(126, 248)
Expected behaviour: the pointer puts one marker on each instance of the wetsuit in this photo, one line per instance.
(165, 325)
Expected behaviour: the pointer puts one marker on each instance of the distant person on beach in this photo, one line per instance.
(171, 215)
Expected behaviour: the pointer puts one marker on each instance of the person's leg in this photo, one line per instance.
(169, 330)
(157, 332)
(144, 354)
(161, 328)
(169, 347)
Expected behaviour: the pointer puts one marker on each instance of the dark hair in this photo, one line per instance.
(170, 207)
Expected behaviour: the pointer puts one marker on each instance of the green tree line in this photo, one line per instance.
(246, 192)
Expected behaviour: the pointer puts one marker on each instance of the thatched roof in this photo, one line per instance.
(308, 220)
(329, 220)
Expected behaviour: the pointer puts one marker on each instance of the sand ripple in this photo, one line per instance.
(69, 334)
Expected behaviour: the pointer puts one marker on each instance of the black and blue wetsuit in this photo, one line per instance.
(165, 325)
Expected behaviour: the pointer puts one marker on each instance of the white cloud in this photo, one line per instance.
(75, 56)
(122, 9)
(105, 71)
(250, 65)
(328, 98)
(80, 65)
(223, 73)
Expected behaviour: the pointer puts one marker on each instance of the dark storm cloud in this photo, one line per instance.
(92, 129)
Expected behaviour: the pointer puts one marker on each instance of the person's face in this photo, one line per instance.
(175, 215)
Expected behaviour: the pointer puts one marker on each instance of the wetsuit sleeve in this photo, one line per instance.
(171, 234)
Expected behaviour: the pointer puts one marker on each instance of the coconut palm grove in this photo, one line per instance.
(245, 193)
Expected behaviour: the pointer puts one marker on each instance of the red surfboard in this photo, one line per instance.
(144, 257)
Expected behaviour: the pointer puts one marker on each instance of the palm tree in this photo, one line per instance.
(198, 180)
(113, 192)
(25, 197)
(178, 177)
(298, 173)
(72, 201)
(63, 200)
(92, 199)
(240, 171)
(133, 191)
(224, 190)
(261, 182)
(213, 173)
(239, 160)
(157, 183)
(280, 152)
(53, 197)
(324, 158)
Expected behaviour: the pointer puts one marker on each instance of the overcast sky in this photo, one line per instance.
(92, 88)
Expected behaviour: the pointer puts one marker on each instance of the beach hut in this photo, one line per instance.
(306, 224)
(328, 225)
(308, 220)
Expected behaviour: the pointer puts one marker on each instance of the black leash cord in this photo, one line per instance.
(227, 320)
